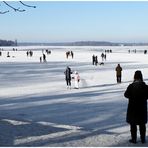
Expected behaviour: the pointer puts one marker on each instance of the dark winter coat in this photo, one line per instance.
(68, 74)
(118, 71)
(137, 93)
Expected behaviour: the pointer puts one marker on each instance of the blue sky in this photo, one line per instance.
(76, 21)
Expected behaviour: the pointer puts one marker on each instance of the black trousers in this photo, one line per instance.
(118, 79)
(142, 128)
(68, 82)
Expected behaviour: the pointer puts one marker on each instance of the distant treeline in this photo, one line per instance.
(7, 43)
(93, 43)
(79, 43)
(85, 43)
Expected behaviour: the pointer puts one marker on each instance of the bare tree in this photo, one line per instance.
(14, 8)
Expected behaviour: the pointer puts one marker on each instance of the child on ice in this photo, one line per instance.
(76, 80)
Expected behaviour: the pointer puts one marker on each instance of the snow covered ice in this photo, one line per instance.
(37, 109)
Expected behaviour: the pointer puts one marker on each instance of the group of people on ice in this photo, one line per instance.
(68, 72)
(69, 53)
(95, 59)
(137, 94)
(68, 76)
(43, 57)
(29, 53)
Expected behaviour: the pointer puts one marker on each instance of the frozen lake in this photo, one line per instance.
(37, 109)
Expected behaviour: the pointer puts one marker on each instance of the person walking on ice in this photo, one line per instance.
(137, 94)
(76, 79)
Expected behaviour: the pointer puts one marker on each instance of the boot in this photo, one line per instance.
(132, 141)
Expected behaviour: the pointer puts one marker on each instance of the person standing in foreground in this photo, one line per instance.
(68, 76)
(118, 73)
(137, 94)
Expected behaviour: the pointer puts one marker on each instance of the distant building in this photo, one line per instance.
(6, 43)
